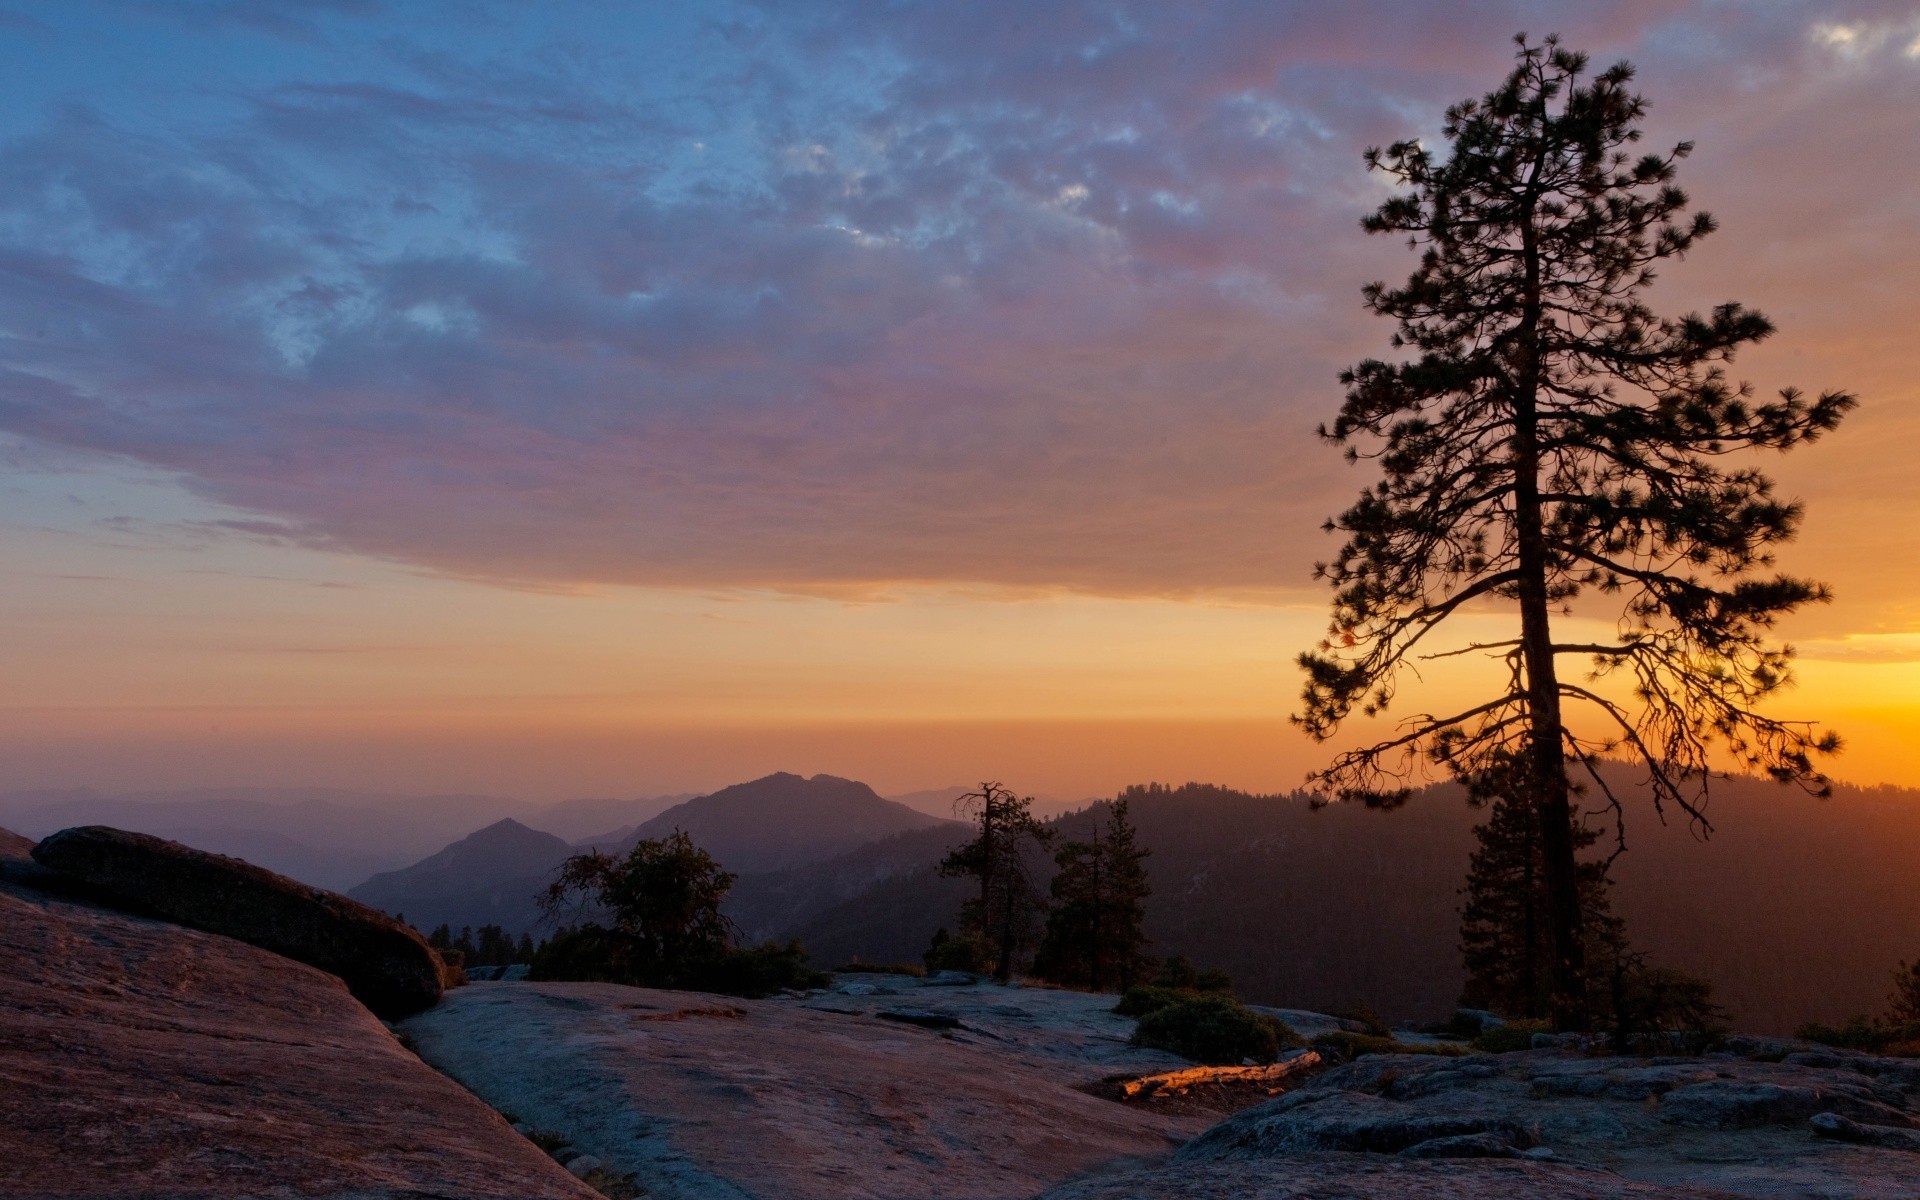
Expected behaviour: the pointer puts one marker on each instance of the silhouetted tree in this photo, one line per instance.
(1093, 936)
(1505, 943)
(1003, 914)
(1903, 1007)
(663, 899)
(1553, 439)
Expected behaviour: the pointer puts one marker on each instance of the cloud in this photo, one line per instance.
(1042, 297)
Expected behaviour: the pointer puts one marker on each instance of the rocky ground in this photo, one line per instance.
(1764, 1118)
(839, 1096)
(893, 1087)
(140, 1060)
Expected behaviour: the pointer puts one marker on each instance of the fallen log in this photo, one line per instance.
(1192, 1076)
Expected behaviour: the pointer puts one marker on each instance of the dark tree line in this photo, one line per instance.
(1553, 442)
(490, 946)
(1092, 936)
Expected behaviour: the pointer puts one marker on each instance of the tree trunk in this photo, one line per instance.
(1546, 773)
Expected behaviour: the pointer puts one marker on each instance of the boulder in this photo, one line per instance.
(387, 966)
(1744, 1103)
(143, 1061)
(1479, 1019)
(1464, 1145)
(1840, 1129)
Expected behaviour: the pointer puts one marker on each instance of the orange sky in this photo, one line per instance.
(743, 444)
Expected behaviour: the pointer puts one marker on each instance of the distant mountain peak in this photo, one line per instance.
(784, 820)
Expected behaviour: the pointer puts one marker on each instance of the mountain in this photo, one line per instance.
(776, 825)
(330, 838)
(785, 821)
(772, 903)
(490, 877)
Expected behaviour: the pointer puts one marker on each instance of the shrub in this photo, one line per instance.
(968, 952)
(1215, 1029)
(760, 971)
(1864, 1034)
(1505, 1039)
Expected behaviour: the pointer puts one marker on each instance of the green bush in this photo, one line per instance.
(968, 952)
(1505, 1039)
(759, 971)
(1215, 1029)
(1353, 1045)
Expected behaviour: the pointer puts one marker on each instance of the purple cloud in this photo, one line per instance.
(1046, 297)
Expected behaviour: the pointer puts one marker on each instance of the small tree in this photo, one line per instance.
(1003, 913)
(1554, 440)
(1903, 1007)
(1504, 940)
(1093, 936)
(663, 899)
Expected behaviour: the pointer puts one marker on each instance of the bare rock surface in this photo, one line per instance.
(810, 1099)
(1368, 1177)
(1070, 1026)
(388, 967)
(143, 1061)
(1726, 1124)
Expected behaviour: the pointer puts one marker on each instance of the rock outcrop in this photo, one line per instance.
(819, 1099)
(385, 964)
(143, 1061)
(1725, 1124)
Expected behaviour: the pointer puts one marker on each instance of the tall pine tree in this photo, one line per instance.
(1009, 903)
(1554, 442)
(1094, 937)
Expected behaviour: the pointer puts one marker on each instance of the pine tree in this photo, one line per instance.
(1004, 912)
(1554, 440)
(1093, 935)
(1504, 941)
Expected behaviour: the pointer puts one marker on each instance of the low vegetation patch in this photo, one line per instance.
(1214, 1028)
(1866, 1035)
(1515, 1035)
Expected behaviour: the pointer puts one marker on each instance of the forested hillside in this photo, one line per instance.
(1796, 908)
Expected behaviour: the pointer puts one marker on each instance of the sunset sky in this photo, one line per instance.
(577, 399)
